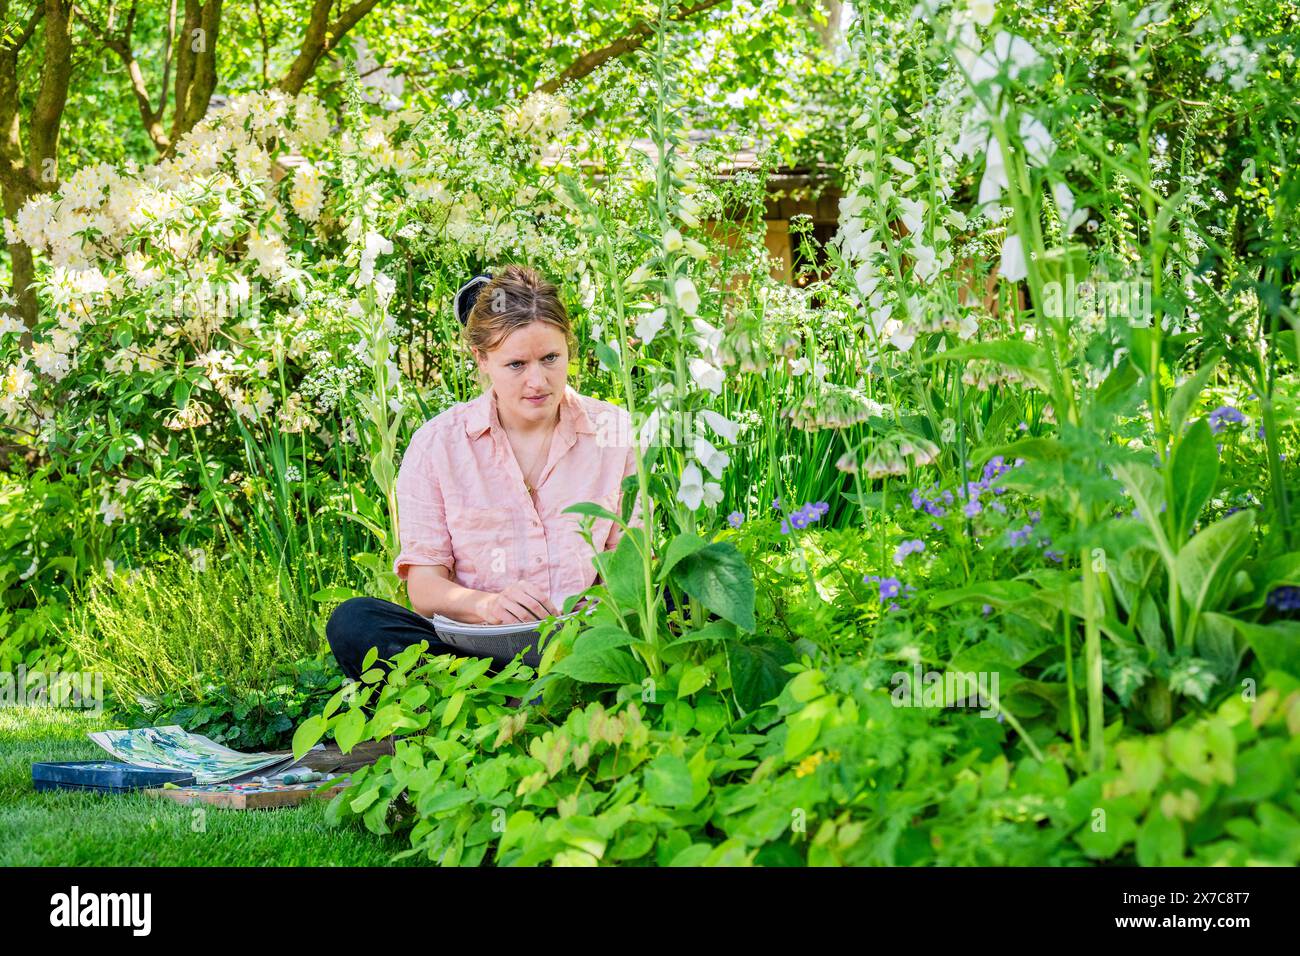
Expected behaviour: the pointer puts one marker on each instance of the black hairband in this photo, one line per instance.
(467, 295)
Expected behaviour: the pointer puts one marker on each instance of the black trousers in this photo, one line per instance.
(360, 623)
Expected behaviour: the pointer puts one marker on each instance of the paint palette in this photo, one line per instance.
(103, 776)
(251, 796)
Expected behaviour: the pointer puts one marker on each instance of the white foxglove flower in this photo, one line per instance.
(902, 165)
(902, 336)
(695, 249)
(723, 427)
(1013, 267)
(995, 174)
(639, 277)
(672, 240)
(913, 213)
(712, 459)
(691, 490)
(712, 493)
(1071, 218)
(866, 278)
(706, 376)
(648, 324)
(709, 338)
(687, 296)
(925, 265)
(1038, 141)
(649, 433)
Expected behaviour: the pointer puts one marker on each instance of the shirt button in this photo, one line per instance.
(537, 560)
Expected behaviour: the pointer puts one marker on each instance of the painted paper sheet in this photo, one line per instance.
(172, 748)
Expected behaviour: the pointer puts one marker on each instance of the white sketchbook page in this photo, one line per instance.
(447, 626)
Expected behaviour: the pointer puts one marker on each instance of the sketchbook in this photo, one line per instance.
(173, 748)
(501, 642)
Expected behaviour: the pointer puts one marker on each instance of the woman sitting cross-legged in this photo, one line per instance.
(482, 486)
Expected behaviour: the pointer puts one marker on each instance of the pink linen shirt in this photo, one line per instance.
(462, 504)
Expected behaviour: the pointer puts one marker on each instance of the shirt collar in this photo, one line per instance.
(481, 414)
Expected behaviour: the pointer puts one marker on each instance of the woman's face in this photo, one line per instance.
(528, 370)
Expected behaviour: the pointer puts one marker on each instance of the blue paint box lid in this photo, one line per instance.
(105, 776)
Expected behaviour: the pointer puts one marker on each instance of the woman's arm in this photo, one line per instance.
(431, 590)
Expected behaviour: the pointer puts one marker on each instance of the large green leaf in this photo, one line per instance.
(1185, 396)
(1147, 489)
(668, 781)
(718, 577)
(684, 545)
(625, 572)
(758, 670)
(997, 593)
(1204, 566)
(1277, 645)
(610, 666)
(601, 638)
(1195, 470)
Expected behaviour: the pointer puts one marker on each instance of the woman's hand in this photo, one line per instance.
(520, 601)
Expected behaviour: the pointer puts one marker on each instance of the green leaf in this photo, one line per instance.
(613, 666)
(713, 631)
(1147, 489)
(1185, 396)
(758, 671)
(625, 572)
(308, 735)
(1204, 566)
(668, 781)
(592, 509)
(1195, 470)
(718, 577)
(1277, 645)
(454, 704)
(694, 678)
(997, 593)
(608, 357)
(1159, 840)
(681, 546)
(602, 638)
(348, 730)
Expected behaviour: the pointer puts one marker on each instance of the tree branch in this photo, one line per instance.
(121, 45)
(320, 39)
(634, 39)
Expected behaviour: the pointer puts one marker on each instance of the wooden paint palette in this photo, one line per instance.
(251, 796)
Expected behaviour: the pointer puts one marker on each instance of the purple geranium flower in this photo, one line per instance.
(1223, 416)
(735, 519)
(914, 546)
(1285, 598)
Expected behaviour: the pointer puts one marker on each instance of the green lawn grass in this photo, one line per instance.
(69, 828)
